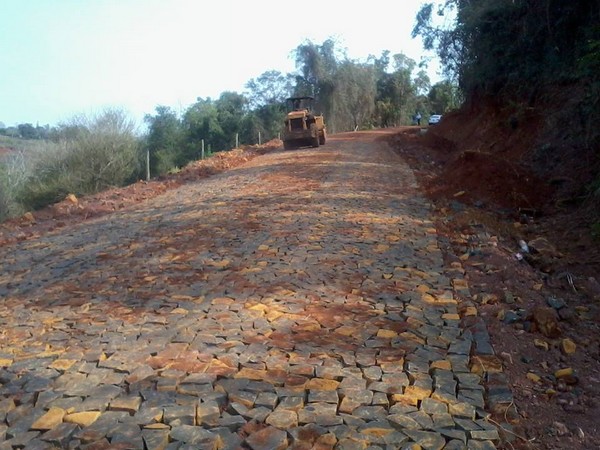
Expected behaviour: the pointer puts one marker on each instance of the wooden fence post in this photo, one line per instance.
(148, 165)
(202, 154)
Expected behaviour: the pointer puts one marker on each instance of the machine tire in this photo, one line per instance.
(314, 142)
(322, 138)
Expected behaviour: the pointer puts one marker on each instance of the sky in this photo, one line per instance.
(61, 58)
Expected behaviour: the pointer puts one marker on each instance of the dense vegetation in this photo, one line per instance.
(88, 154)
(534, 62)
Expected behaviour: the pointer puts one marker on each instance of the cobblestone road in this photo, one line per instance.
(299, 301)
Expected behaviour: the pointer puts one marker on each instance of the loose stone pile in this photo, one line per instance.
(299, 302)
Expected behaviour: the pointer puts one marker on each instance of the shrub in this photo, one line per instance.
(102, 152)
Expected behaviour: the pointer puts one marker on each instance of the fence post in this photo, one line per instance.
(202, 154)
(147, 165)
(259, 142)
(237, 140)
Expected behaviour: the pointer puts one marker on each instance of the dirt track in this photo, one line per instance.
(297, 300)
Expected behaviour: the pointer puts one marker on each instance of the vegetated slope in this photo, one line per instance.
(532, 163)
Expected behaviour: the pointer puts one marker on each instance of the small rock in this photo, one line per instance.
(561, 428)
(543, 246)
(28, 218)
(566, 375)
(509, 298)
(566, 372)
(540, 343)
(567, 346)
(510, 317)
(546, 321)
(533, 377)
(556, 303)
(72, 199)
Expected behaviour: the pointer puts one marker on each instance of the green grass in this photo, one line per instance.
(19, 144)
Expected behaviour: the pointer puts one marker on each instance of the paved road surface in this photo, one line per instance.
(297, 301)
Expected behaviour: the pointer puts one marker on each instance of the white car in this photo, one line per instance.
(435, 118)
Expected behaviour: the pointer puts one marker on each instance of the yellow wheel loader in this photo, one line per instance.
(303, 127)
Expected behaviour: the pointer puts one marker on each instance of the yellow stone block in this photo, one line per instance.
(157, 426)
(5, 362)
(83, 419)
(386, 334)
(346, 330)
(50, 420)
(441, 364)
(258, 307)
(460, 283)
(62, 364)
(251, 374)
(263, 248)
(470, 311)
(450, 316)
(322, 384)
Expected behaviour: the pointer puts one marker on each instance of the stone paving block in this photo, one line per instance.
(323, 396)
(259, 414)
(179, 415)
(155, 439)
(207, 413)
(431, 406)
(480, 445)
(269, 438)
(60, 435)
(401, 421)
(283, 419)
(323, 414)
(230, 422)
(427, 440)
(370, 413)
(147, 415)
(129, 404)
(424, 419)
(455, 444)
(189, 434)
(50, 420)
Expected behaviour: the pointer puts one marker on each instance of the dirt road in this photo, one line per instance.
(298, 300)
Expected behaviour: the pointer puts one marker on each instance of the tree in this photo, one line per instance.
(164, 140)
(396, 93)
(443, 97)
(231, 108)
(354, 96)
(317, 65)
(270, 88)
(27, 131)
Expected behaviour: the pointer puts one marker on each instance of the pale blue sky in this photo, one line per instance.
(59, 58)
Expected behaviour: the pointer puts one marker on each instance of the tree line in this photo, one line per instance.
(89, 154)
(384, 91)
